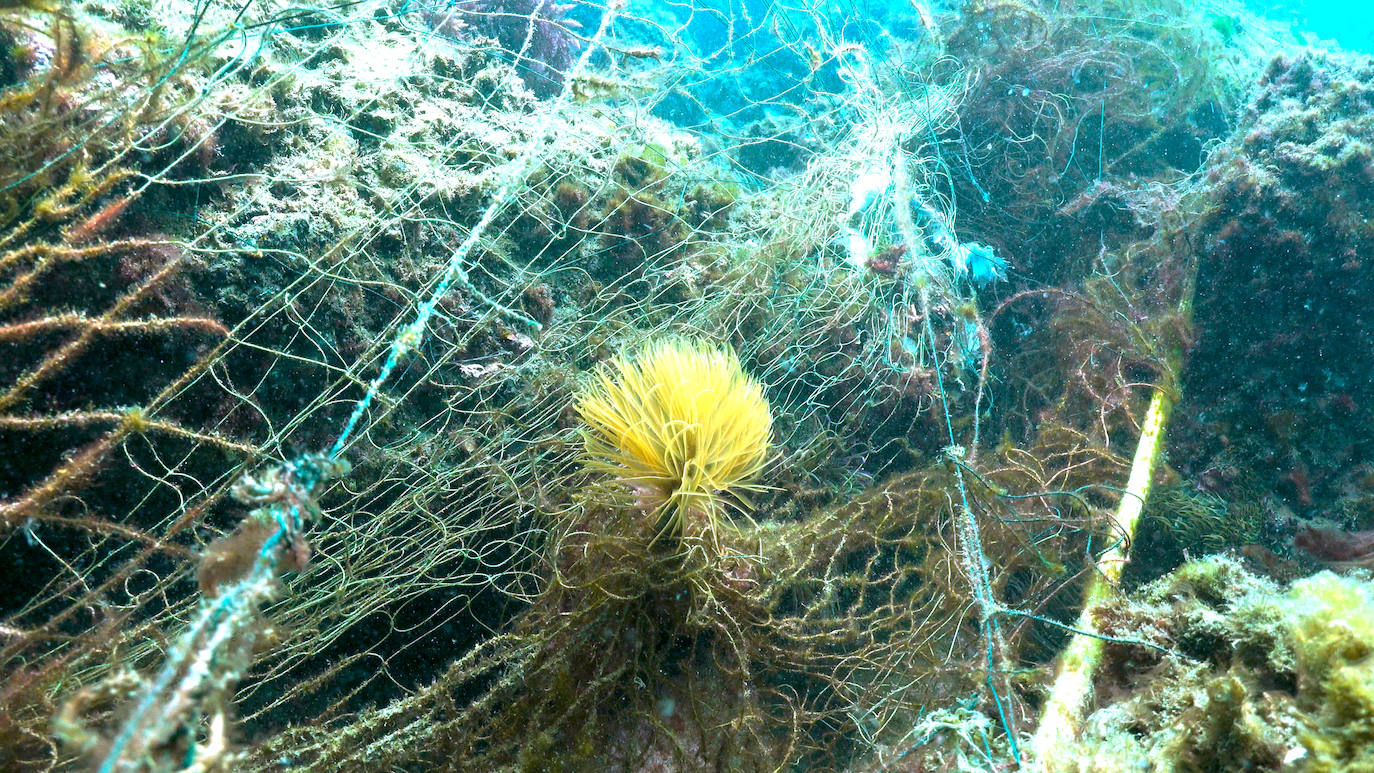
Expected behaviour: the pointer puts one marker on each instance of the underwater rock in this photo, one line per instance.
(1214, 668)
(539, 33)
(1276, 413)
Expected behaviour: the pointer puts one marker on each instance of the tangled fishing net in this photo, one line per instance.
(300, 305)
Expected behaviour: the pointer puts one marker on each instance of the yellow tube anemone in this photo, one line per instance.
(683, 426)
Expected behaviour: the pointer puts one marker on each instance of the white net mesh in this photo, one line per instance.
(399, 231)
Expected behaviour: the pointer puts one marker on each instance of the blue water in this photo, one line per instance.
(1347, 24)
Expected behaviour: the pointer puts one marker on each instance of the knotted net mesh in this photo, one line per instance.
(399, 232)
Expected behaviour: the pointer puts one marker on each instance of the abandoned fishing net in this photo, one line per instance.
(477, 385)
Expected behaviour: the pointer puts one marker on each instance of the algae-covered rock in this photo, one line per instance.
(1331, 627)
(1213, 668)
